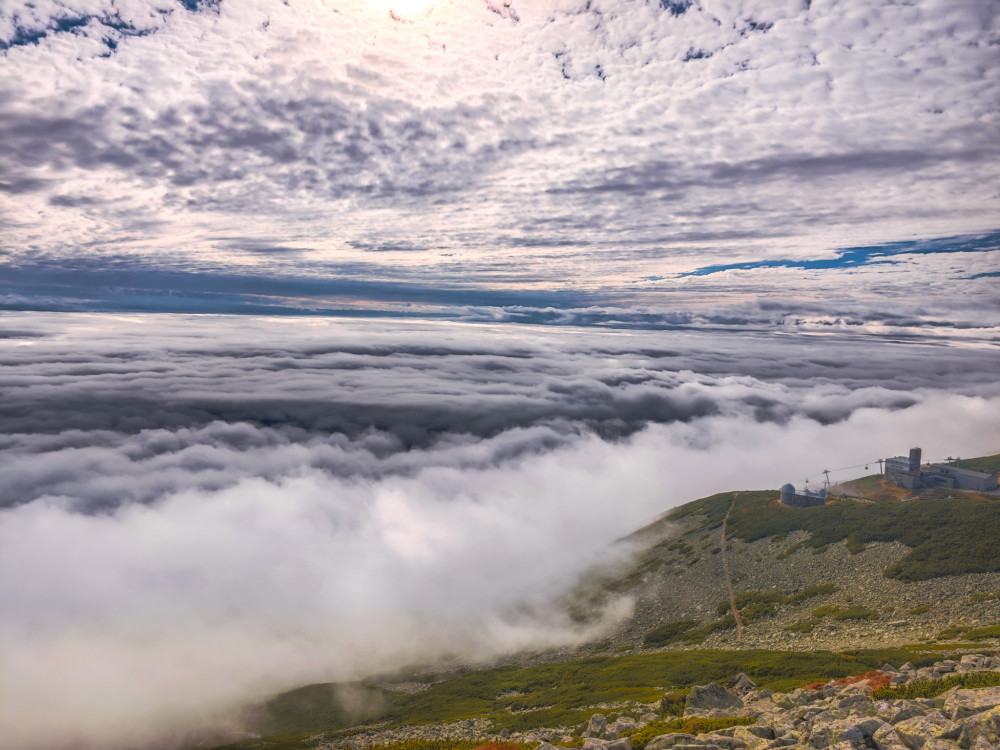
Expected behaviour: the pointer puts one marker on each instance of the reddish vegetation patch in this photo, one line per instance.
(870, 680)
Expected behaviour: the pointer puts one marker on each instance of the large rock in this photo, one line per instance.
(852, 729)
(741, 684)
(669, 740)
(960, 704)
(597, 725)
(621, 725)
(982, 726)
(917, 731)
(710, 697)
(887, 738)
(753, 738)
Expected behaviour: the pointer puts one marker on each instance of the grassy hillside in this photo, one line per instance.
(989, 464)
(946, 535)
(549, 695)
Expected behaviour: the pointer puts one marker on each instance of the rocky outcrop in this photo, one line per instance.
(708, 700)
(841, 715)
(838, 715)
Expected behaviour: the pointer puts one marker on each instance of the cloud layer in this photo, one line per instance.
(201, 510)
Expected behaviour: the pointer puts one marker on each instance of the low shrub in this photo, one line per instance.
(694, 725)
(700, 634)
(668, 632)
(672, 703)
(855, 613)
(805, 626)
(983, 597)
(934, 688)
(825, 611)
(979, 634)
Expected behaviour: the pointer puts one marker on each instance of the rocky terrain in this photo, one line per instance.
(905, 612)
(842, 714)
(845, 714)
(675, 573)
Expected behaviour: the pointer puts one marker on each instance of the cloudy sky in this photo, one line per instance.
(336, 336)
(206, 155)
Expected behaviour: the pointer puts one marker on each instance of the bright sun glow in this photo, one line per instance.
(402, 8)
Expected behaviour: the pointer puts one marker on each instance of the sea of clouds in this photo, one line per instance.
(198, 511)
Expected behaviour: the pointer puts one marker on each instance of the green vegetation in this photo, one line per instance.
(549, 695)
(989, 464)
(920, 609)
(804, 626)
(973, 634)
(983, 597)
(855, 613)
(688, 726)
(683, 547)
(755, 605)
(945, 537)
(698, 635)
(669, 632)
(934, 688)
(981, 634)
(835, 613)
(672, 703)
(825, 611)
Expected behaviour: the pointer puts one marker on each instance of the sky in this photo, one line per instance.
(340, 336)
(435, 156)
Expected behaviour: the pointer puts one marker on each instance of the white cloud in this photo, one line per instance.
(799, 129)
(161, 562)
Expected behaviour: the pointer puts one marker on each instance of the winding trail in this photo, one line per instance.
(725, 568)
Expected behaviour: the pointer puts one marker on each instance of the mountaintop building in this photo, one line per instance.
(907, 472)
(805, 499)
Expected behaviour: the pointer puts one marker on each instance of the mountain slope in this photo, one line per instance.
(868, 571)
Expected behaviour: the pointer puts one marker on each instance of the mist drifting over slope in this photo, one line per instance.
(202, 510)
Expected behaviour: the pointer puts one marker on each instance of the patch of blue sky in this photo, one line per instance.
(855, 257)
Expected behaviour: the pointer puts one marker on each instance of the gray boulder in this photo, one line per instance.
(917, 731)
(741, 684)
(670, 740)
(852, 729)
(887, 738)
(597, 725)
(960, 704)
(621, 725)
(982, 726)
(705, 698)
